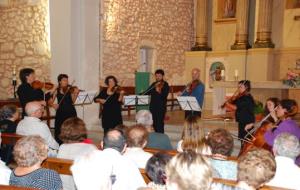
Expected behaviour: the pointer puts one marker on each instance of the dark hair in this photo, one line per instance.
(291, 107)
(116, 142)
(24, 73)
(61, 76)
(220, 142)
(73, 130)
(160, 71)
(274, 100)
(246, 83)
(111, 77)
(8, 111)
(156, 166)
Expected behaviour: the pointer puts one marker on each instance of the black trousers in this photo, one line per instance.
(158, 120)
(192, 113)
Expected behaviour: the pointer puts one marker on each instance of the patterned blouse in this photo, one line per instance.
(41, 178)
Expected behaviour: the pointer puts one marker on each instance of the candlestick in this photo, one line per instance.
(236, 75)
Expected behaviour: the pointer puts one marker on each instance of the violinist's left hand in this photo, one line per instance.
(122, 92)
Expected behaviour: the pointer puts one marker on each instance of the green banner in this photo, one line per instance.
(142, 82)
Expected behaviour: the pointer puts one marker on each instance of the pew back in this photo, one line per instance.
(10, 138)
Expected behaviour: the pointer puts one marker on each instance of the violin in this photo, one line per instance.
(71, 89)
(159, 85)
(42, 85)
(192, 85)
(117, 89)
(233, 98)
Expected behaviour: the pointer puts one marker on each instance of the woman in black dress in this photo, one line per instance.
(111, 101)
(244, 107)
(66, 96)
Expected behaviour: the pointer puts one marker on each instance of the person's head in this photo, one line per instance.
(73, 130)
(34, 109)
(287, 108)
(188, 170)
(195, 74)
(63, 80)
(286, 145)
(9, 112)
(271, 104)
(144, 117)
(122, 127)
(111, 81)
(30, 151)
(159, 74)
(114, 139)
(156, 167)
(220, 142)
(256, 167)
(137, 136)
(193, 134)
(27, 75)
(244, 86)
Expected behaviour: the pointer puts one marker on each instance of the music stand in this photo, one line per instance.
(84, 98)
(135, 100)
(188, 103)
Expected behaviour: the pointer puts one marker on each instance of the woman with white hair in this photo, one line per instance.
(155, 140)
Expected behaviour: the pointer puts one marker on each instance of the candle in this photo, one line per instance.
(14, 70)
(222, 73)
(236, 73)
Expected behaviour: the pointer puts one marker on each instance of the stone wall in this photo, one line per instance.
(23, 40)
(166, 26)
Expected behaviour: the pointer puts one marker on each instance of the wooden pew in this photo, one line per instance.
(10, 138)
(9, 187)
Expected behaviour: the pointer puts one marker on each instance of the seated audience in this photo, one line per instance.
(122, 128)
(29, 153)
(74, 136)
(123, 173)
(155, 140)
(9, 114)
(156, 170)
(4, 171)
(32, 125)
(286, 148)
(255, 168)
(136, 141)
(221, 144)
(188, 171)
(193, 137)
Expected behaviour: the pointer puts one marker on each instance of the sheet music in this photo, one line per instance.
(81, 98)
(90, 96)
(142, 100)
(188, 103)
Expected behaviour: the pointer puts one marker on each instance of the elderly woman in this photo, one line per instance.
(75, 144)
(221, 144)
(29, 153)
(155, 140)
(193, 137)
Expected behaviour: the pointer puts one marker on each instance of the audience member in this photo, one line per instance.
(122, 128)
(188, 171)
(155, 140)
(9, 114)
(73, 135)
(29, 153)
(123, 173)
(255, 168)
(4, 171)
(136, 141)
(286, 148)
(221, 144)
(193, 137)
(32, 125)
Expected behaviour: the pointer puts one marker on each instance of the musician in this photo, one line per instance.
(243, 104)
(158, 91)
(196, 89)
(111, 99)
(66, 96)
(27, 93)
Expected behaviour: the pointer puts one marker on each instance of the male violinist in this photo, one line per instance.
(158, 91)
(195, 89)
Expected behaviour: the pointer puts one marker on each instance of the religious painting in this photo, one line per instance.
(226, 9)
(215, 68)
(292, 4)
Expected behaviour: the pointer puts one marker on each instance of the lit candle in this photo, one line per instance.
(14, 70)
(236, 73)
(222, 73)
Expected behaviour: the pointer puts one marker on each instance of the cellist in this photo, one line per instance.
(243, 104)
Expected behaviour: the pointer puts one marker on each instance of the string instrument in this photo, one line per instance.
(234, 97)
(192, 85)
(42, 85)
(71, 89)
(159, 85)
(117, 89)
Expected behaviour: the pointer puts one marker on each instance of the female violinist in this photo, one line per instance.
(26, 91)
(66, 96)
(243, 105)
(111, 99)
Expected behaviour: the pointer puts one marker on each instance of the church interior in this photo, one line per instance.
(227, 40)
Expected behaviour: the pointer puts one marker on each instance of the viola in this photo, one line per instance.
(42, 85)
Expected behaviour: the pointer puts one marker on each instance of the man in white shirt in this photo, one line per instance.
(286, 148)
(4, 171)
(107, 169)
(136, 140)
(32, 125)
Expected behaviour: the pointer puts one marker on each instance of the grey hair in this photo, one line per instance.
(287, 145)
(32, 107)
(144, 117)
